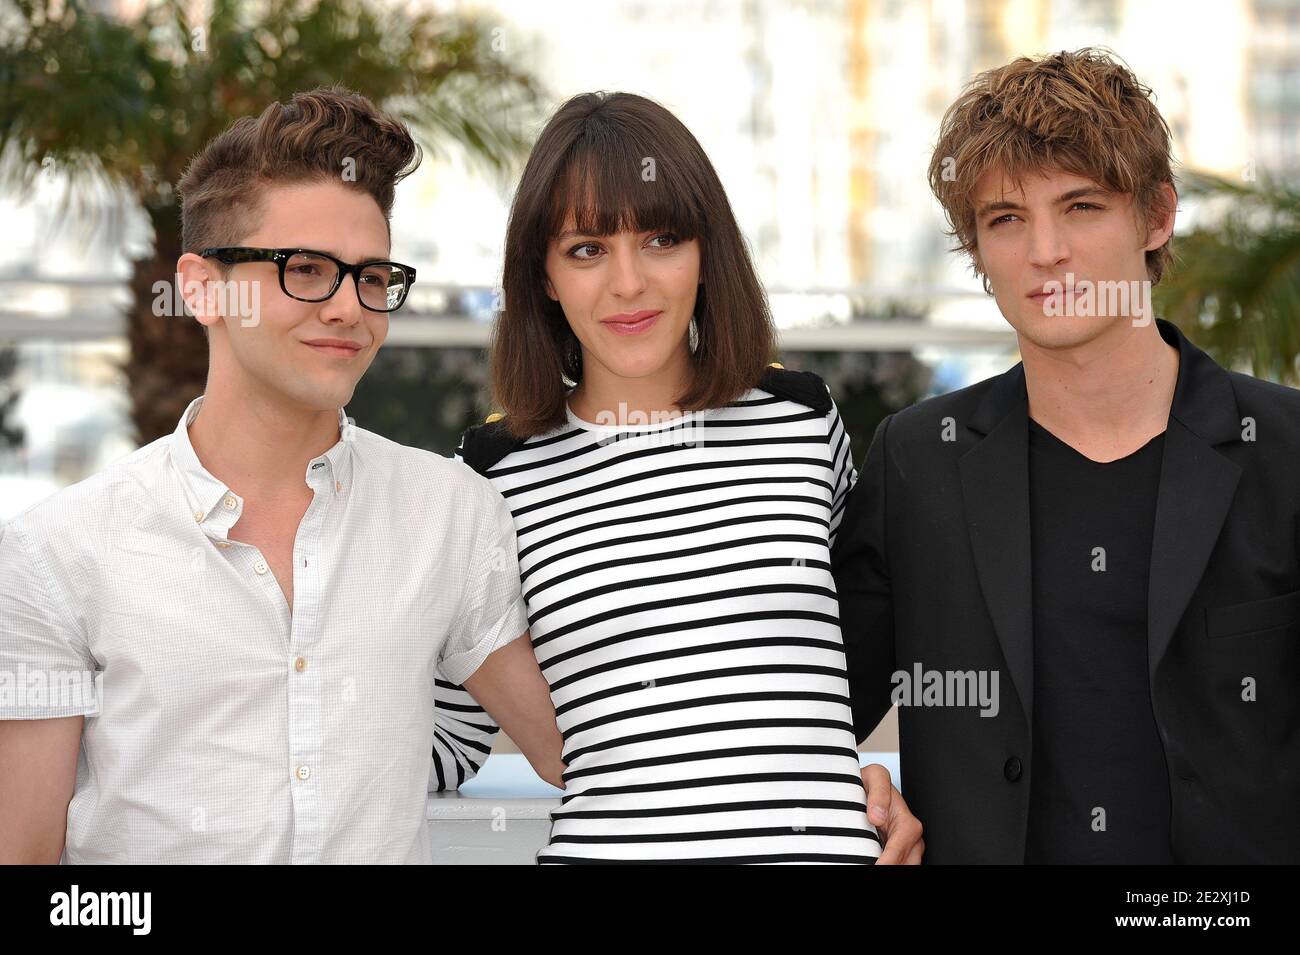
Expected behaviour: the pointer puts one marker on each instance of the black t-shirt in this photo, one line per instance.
(1099, 784)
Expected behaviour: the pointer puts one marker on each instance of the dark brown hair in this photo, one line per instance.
(308, 139)
(1081, 112)
(593, 160)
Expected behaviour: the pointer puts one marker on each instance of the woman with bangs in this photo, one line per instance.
(675, 498)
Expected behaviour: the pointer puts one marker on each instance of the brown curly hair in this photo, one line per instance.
(1082, 112)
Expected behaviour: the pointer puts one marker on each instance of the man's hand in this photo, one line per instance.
(887, 811)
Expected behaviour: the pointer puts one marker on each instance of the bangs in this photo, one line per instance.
(1020, 154)
(611, 183)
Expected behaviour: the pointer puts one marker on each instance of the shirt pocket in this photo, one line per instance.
(1254, 617)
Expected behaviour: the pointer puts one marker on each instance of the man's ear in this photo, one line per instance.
(195, 275)
(1160, 224)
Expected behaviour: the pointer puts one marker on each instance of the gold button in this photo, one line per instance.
(229, 503)
(494, 417)
(198, 516)
(338, 486)
(260, 567)
(303, 772)
(223, 544)
(777, 364)
(300, 664)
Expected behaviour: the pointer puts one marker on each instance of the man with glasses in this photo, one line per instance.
(253, 610)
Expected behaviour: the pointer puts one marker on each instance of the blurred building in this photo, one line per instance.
(819, 115)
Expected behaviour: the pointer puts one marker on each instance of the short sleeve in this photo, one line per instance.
(843, 474)
(46, 668)
(492, 611)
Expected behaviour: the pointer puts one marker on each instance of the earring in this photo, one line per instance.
(573, 359)
(693, 335)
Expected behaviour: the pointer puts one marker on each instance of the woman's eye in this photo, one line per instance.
(577, 249)
(671, 240)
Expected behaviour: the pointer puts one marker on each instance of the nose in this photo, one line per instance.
(626, 279)
(344, 306)
(1047, 246)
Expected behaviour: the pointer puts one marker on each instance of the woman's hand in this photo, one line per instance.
(888, 812)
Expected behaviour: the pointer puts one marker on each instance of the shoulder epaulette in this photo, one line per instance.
(483, 445)
(801, 386)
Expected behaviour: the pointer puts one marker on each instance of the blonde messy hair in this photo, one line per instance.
(1082, 112)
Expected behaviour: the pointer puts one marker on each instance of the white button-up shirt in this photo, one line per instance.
(220, 726)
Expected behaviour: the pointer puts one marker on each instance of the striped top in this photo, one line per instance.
(680, 599)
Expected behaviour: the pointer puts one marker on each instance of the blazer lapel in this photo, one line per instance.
(1197, 485)
(995, 490)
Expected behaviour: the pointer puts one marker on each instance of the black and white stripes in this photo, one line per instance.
(682, 608)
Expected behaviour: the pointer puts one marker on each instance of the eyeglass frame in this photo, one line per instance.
(248, 253)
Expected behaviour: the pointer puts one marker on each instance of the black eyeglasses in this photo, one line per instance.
(311, 276)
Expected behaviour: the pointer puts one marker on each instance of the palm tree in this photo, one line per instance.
(126, 102)
(1235, 286)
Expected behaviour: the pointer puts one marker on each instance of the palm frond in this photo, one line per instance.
(1235, 284)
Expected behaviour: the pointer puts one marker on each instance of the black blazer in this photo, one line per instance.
(932, 566)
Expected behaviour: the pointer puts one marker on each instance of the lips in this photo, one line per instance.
(1066, 288)
(632, 323)
(1062, 296)
(338, 347)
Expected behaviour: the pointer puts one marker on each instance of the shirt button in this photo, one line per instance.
(300, 664)
(338, 486)
(223, 544)
(303, 772)
(1012, 769)
(260, 567)
(198, 516)
(229, 503)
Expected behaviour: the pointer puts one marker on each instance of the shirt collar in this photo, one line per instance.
(215, 507)
(338, 462)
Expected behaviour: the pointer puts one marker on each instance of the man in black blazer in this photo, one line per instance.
(1080, 580)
